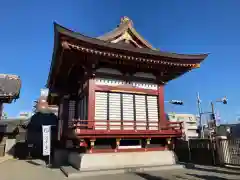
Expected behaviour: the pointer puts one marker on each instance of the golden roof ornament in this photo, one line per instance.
(197, 65)
(126, 19)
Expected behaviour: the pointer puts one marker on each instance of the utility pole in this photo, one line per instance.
(213, 136)
(200, 114)
(223, 100)
(213, 115)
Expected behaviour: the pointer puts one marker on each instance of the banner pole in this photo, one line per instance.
(49, 156)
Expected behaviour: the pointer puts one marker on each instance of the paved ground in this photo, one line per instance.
(22, 170)
(5, 158)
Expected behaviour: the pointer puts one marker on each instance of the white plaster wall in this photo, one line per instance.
(9, 148)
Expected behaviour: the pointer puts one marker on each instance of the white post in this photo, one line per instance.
(46, 132)
(223, 149)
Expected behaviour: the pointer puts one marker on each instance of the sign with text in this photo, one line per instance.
(46, 133)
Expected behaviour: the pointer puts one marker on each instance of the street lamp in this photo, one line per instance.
(222, 100)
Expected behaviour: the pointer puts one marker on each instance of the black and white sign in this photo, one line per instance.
(46, 132)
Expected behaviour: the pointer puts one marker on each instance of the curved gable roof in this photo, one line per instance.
(126, 26)
(187, 58)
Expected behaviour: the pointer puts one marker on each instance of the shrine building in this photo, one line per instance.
(110, 90)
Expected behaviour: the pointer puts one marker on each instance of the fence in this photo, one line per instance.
(223, 151)
(197, 151)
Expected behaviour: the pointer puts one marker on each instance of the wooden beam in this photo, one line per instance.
(162, 117)
(91, 102)
(54, 76)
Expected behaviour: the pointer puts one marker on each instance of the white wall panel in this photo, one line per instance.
(128, 111)
(114, 111)
(100, 110)
(152, 112)
(146, 111)
(141, 118)
(114, 82)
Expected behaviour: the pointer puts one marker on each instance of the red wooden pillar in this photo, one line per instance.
(91, 102)
(162, 116)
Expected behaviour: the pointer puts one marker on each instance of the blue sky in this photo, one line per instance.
(187, 26)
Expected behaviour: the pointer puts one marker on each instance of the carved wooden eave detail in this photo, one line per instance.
(127, 57)
(127, 33)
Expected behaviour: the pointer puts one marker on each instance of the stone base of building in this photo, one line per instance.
(104, 161)
(71, 172)
(115, 163)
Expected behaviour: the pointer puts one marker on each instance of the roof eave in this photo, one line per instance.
(55, 46)
(196, 58)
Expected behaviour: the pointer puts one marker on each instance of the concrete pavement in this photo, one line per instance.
(5, 158)
(23, 170)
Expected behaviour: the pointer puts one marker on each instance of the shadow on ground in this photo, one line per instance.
(214, 170)
(185, 176)
(207, 177)
(34, 163)
(44, 163)
(150, 177)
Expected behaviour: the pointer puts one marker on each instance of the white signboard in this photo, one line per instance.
(46, 132)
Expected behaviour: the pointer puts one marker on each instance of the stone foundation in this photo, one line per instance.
(106, 161)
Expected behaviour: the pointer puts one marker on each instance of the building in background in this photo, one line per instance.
(41, 104)
(24, 115)
(3, 114)
(10, 86)
(190, 124)
(229, 130)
